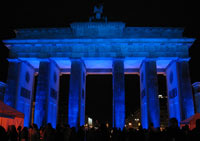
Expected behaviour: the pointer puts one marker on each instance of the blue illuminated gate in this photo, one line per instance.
(93, 48)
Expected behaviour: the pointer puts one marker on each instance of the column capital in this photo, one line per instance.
(54, 62)
(79, 60)
(14, 60)
(149, 59)
(118, 58)
(196, 87)
(196, 84)
(176, 60)
(27, 63)
(76, 59)
(183, 59)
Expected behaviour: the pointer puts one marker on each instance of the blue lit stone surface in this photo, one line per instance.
(97, 45)
(47, 94)
(76, 107)
(128, 32)
(110, 39)
(12, 82)
(53, 94)
(118, 93)
(88, 48)
(2, 90)
(150, 109)
(20, 87)
(98, 29)
(185, 89)
(25, 89)
(40, 113)
(180, 99)
(173, 92)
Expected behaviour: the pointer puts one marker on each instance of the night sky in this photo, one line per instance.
(170, 13)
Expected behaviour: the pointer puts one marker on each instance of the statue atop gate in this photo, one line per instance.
(97, 11)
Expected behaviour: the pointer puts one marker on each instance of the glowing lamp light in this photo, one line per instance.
(130, 124)
(137, 119)
(89, 121)
(107, 125)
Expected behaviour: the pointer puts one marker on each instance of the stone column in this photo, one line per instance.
(179, 89)
(47, 94)
(196, 87)
(150, 108)
(118, 93)
(76, 107)
(20, 87)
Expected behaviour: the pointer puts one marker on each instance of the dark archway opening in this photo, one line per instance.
(132, 99)
(162, 95)
(62, 117)
(99, 98)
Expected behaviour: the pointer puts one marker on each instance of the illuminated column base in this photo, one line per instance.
(20, 86)
(76, 107)
(47, 94)
(150, 108)
(180, 99)
(118, 94)
(196, 87)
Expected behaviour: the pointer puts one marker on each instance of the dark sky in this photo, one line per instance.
(173, 13)
(33, 13)
(60, 13)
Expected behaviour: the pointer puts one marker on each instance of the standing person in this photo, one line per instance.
(73, 135)
(42, 133)
(59, 133)
(153, 133)
(3, 135)
(186, 133)
(19, 128)
(67, 132)
(196, 131)
(12, 133)
(173, 132)
(81, 133)
(24, 134)
(49, 133)
(30, 130)
(35, 136)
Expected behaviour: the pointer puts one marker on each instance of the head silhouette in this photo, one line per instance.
(198, 123)
(173, 122)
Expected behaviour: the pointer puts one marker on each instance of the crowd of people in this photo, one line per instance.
(101, 133)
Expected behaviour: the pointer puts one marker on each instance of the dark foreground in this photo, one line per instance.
(101, 133)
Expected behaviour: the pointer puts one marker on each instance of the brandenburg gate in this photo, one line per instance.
(98, 48)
